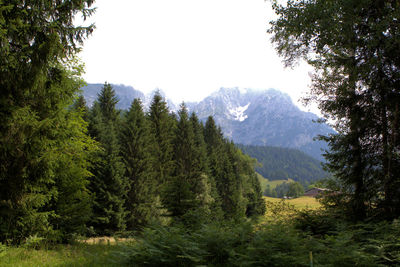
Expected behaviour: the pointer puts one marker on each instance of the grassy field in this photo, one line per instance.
(299, 203)
(61, 255)
(264, 182)
(283, 209)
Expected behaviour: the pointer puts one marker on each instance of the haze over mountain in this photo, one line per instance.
(247, 116)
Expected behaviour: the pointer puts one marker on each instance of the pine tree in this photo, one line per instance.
(38, 80)
(135, 139)
(211, 198)
(80, 106)
(188, 190)
(222, 169)
(162, 130)
(108, 182)
(73, 204)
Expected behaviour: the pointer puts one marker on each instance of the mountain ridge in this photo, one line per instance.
(261, 117)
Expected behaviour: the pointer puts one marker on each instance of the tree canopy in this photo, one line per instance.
(352, 46)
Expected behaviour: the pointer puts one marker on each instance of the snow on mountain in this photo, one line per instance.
(245, 115)
(238, 112)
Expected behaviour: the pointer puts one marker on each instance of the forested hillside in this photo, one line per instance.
(279, 163)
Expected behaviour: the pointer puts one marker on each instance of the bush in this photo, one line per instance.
(165, 246)
(274, 245)
(271, 244)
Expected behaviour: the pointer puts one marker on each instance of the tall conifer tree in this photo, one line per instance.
(108, 182)
(141, 203)
(162, 131)
(189, 189)
(38, 80)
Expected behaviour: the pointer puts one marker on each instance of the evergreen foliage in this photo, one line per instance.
(189, 189)
(135, 141)
(38, 80)
(292, 189)
(278, 163)
(108, 183)
(238, 188)
(162, 129)
(352, 46)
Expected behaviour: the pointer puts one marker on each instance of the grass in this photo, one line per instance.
(280, 210)
(61, 255)
(302, 202)
(264, 182)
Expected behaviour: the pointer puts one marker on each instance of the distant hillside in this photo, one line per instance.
(285, 163)
(264, 118)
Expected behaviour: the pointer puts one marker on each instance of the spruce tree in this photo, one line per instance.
(189, 189)
(141, 202)
(73, 204)
(108, 182)
(222, 169)
(162, 131)
(38, 80)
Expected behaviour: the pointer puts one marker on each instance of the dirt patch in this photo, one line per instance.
(105, 240)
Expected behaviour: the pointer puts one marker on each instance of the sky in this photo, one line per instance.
(188, 48)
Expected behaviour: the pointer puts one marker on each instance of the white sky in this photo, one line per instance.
(187, 48)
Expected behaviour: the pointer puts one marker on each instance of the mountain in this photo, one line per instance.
(264, 117)
(279, 163)
(247, 116)
(125, 95)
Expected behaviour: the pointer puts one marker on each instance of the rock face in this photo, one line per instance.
(247, 116)
(263, 117)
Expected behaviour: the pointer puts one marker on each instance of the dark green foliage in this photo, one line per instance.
(135, 141)
(278, 163)
(80, 106)
(353, 47)
(38, 80)
(238, 188)
(276, 244)
(73, 202)
(162, 130)
(165, 247)
(189, 187)
(291, 189)
(108, 183)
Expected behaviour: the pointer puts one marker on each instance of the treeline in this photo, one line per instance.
(157, 164)
(66, 170)
(127, 170)
(277, 163)
(286, 189)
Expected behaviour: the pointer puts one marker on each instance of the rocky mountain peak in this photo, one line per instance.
(247, 116)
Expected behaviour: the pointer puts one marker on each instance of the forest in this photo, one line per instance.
(176, 190)
(296, 164)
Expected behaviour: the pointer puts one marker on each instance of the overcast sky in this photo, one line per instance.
(187, 48)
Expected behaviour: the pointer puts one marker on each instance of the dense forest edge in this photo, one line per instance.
(174, 190)
(279, 163)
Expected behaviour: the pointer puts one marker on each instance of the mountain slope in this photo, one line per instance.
(247, 116)
(263, 117)
(284, 163)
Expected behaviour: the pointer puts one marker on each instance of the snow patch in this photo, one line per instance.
(238, 113)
